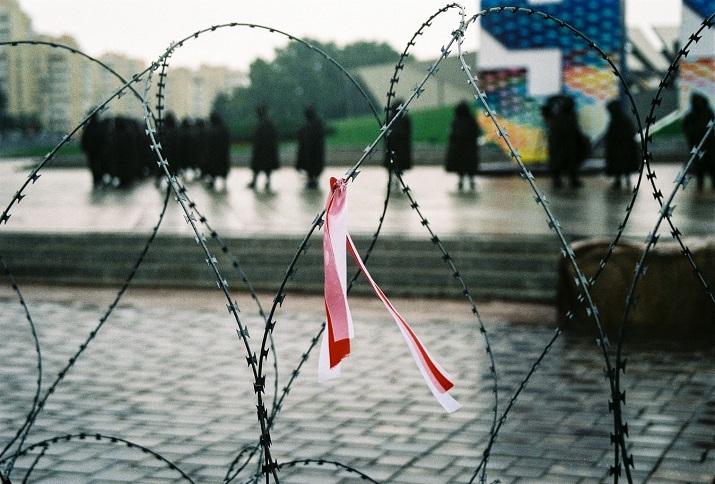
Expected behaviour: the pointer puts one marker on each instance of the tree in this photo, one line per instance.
(299, 77)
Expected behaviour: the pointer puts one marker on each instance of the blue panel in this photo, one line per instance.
(703, 7)
(599, 20)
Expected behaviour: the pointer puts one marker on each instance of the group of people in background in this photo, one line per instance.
(623, 152)
(569, 147)
(311, 148)
(118, 151)
(462, 154)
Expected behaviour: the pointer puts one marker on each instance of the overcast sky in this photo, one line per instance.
(144, 28)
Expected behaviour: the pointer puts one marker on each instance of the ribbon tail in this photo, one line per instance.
(424, 362)
(339, 326)
(438, 380)
(325, 371)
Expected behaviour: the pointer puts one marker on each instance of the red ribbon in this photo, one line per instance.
(336, 340)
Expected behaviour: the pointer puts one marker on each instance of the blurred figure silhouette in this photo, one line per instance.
(567, 144)
(621, 149)
(264, 156)
(93, 137)
(462, 149)
(398, 142)
(170, 139)
(218, 158)
(311, 147)
(695, 125)
(125, 146)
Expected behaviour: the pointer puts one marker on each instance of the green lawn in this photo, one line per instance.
(428, 126)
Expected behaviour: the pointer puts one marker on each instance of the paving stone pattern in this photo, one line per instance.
(175, 380)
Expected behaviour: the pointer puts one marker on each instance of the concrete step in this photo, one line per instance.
(509, 267)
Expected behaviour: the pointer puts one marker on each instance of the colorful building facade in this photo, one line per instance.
(697, 70)
(524, 59)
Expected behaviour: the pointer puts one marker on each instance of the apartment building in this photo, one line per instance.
(50, 80)
(16, 62)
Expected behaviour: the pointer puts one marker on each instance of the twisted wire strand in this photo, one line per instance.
(350, 175)
(322, 462)
(97, 437)
(38, 407)
(19, 195)
(180, 196)
(190, 217)
(233, 260)
(390, 95)
(24, 429)
(553, 223)
(665, 213)
(457, 37)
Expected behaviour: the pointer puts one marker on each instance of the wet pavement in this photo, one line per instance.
(63, 200)
(166, 373)
(169, 374)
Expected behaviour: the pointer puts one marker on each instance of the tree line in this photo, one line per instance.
(299, 77)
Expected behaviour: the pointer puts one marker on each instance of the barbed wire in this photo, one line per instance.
(256, 361)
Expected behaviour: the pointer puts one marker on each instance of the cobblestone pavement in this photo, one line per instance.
(171, 376)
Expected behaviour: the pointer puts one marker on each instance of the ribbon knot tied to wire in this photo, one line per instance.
(336, 340)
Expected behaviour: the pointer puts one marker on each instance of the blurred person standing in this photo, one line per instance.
(219, 151)
(398, 141)
(568, 146)
(311, 147)
(91, 143)
(264, 156)
(621, 149)
(462, 149)
(695, 125)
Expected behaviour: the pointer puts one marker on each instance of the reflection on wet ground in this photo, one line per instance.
(63, 200)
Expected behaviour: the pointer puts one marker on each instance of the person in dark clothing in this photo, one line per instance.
(695, 125)
(184, 149)
(264, 157)
(219, 150)
(462, 148)
(127, 156)
(91, 143)
(398, 142)
(169, 137)
(621, 149)
(109, 155)
(201, 147)
(568, 145)
(311, 147)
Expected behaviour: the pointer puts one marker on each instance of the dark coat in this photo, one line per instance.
(92, 143)
(170, 137)
(568, 146)
(462, 149)
(399, 143)
(311, 146)
(695, 125)
(621, 148)
(125, 147)
(219, 148)
(264, 156)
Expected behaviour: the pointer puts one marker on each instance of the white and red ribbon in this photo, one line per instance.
(336, 339)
